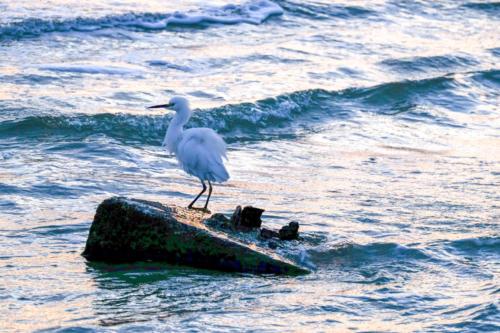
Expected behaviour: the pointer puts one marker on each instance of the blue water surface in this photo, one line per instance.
(375, 124)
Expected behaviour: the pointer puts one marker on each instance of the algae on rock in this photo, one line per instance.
(127, 230)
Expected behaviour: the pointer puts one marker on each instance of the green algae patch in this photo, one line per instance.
(128, 230)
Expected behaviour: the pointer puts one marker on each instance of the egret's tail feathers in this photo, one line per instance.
(221, 174)
(200, 154)
(215, 169)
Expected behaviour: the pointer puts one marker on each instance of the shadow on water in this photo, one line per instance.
(146, 291)
(138, 273)
(138, 292)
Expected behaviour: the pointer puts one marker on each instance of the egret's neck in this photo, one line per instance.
(174, 131)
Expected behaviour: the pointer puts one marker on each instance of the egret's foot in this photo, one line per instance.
(204, 210)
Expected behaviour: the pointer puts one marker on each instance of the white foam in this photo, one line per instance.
(253, 13)
(263, 10)
(305, 259)
(6, 155)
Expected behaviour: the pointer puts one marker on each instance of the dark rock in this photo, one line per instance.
(246, 219)
(272, 245)
(218, 221)
(290, 231)
(235, 218)
(250, 217)
(266, 233)
(220, 217)
(128, 230)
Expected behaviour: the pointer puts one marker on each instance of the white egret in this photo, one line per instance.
(198, 150)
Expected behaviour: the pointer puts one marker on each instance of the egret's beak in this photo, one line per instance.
(161, 106)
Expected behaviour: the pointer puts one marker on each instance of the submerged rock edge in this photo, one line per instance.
(128, 230)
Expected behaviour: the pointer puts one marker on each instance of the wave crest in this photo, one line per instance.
(356, 254)
(283, 117)
(252, 13)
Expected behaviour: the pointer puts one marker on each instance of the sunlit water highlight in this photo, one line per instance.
(374, 124)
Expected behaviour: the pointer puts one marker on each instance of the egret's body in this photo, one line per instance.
(198, 150)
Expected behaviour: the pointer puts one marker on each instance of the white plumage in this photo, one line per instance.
(198, 150)
(200, 153)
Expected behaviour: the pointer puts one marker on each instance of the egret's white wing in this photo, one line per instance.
(200, 153)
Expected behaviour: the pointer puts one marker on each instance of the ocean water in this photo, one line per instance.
(375, 124)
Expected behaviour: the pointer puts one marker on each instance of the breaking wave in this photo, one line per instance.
(285, 116)
(251, 13)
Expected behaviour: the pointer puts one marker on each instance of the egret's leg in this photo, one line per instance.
(199, 195)
(209, 194)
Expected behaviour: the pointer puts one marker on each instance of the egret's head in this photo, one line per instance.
(176, 103)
